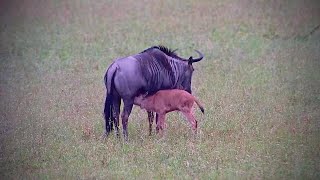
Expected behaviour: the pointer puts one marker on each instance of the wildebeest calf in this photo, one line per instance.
(165, 101)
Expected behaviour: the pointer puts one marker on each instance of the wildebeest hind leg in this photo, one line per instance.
(128, 104)
(116, 113)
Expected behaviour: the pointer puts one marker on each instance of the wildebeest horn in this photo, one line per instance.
(198, 59)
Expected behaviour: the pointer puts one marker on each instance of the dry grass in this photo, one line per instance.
(259, 83)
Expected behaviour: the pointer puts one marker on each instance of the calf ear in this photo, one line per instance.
(190, 61)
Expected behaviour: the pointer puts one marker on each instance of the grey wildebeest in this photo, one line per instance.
(153, 69)
(165, 101)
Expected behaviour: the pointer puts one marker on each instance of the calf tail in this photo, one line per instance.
(109, 83)
(199, 104)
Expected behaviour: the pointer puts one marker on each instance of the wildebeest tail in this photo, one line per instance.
(109, 83)
(199, 104)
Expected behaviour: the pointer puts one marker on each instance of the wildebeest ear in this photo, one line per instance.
(190, 60)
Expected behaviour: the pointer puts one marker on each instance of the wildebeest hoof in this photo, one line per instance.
(104, 136)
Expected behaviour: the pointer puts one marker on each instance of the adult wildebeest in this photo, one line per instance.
(165, 101)
(153, 69)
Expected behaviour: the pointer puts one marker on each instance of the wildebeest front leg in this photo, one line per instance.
(150, 118)
(128, 104)
(157, 118)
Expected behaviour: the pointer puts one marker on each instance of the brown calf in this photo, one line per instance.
(165, 101)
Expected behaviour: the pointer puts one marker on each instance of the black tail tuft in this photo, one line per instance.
(202, 109)
(109, 82)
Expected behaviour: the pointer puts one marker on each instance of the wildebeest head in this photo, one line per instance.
(186, 82)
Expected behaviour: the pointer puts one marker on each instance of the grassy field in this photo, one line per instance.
(259, 83)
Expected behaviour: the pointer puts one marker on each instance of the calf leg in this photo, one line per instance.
(160, 118)
(189, 115)
(157, 125)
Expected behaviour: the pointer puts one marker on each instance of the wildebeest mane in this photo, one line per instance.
(152, 58)
(151, 54)
(165, 50)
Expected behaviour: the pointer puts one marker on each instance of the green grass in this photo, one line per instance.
(259, 83)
